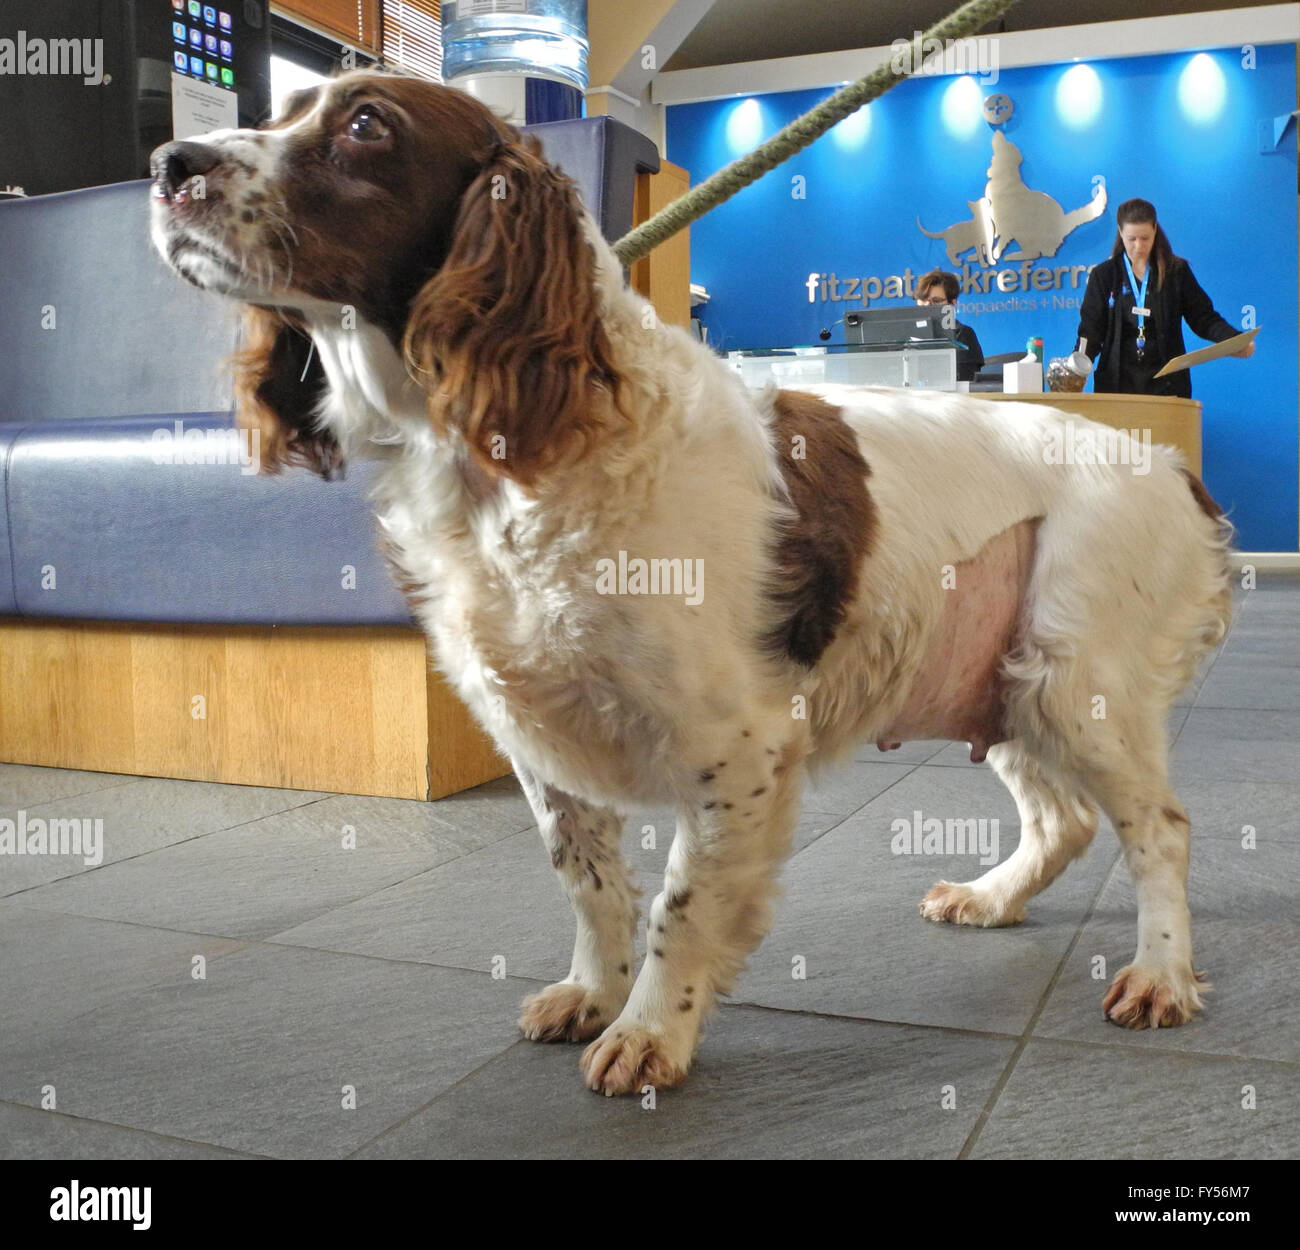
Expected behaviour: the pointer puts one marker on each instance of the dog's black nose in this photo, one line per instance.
(174, 164)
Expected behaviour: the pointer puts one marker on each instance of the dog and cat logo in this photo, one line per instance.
(1009, 211)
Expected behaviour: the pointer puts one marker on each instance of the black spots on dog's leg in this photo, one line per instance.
(656, 952)
(1165, 936)
(660, 929)
(677, 900)
(770, 751)
(622, 970)
(1125, 824)
(595, 876)
(558, 856)
(726, 807)
(744, 733)
(755, 793)
(707, 775)
(710, 805)
(720, 764)
(685, 1005)
(690, 989)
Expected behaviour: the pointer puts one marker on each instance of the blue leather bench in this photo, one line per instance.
(100, 347)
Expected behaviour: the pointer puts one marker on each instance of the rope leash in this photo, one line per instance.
(961, 24)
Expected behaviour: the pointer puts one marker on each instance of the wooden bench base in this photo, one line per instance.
(342, 709)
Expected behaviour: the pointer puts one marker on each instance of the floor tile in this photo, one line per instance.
(27, 785)
(140, 816)
(1240, 745)
(58, 967)
(1098, 1102)
(267, 875)
(1263, 684)
(765, 1085)
(259, 1057)
(26, 1133)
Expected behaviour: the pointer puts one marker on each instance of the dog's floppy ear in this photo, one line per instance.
(505, 338)
(279, 387)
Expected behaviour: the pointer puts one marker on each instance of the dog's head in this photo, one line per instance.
(414, 209)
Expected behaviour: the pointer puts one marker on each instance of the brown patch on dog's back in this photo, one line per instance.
(1202, 496)
(822, 549)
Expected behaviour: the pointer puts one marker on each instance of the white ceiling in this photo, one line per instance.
(755, 30)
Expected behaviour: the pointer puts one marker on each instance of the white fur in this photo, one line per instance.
(604, 701)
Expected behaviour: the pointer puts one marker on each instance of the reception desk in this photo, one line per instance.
(1174, 422)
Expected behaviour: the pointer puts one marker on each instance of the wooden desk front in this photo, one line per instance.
(1174, 422)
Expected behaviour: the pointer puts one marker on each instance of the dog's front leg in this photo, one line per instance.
(583, 841)
(733, 832)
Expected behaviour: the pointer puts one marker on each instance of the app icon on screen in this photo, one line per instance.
(228, 77)
(210, 41)
(196, 66)
(209, 15)
(212, 70)
(178, 31)
(178, 5)
(227, 50)
(181, 61)
(226, 22)
(196, 9)
(196, 38)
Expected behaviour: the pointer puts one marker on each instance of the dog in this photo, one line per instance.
(871, 564)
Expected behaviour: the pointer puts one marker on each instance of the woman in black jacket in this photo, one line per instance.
(1134, 307)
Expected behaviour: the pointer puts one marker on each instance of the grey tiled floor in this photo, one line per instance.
(232, 981)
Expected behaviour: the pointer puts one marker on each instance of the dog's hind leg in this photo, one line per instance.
(583, 841)
(1129, 779)
(1100, 734)
(734, 829)
(1056, 826)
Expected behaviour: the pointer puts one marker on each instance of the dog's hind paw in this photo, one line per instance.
(564, 1012)
(948, 903)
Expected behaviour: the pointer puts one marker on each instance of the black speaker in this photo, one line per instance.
(88, 88)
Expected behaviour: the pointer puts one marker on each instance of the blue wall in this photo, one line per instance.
(1181, 132)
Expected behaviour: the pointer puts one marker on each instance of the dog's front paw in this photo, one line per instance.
(960, 904)
(624, 1060)
(565, 1012)
(1147, 998)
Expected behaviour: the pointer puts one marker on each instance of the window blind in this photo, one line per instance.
(413, 36)
(353, 22)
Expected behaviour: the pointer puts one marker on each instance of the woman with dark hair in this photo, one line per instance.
(1134, 307)
(941, 287)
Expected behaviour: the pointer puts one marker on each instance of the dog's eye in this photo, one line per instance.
(367, 126)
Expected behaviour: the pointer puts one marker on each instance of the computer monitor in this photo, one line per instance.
(880, 326)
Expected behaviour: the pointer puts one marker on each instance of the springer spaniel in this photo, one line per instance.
(861, 563)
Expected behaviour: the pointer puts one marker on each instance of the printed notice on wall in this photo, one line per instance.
(198, 107)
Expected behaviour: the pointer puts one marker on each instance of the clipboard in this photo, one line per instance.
(1213, 352)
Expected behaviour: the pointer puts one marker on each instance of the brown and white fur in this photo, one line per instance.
(877, 564)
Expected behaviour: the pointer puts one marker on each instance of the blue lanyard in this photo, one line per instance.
(1139, 297)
